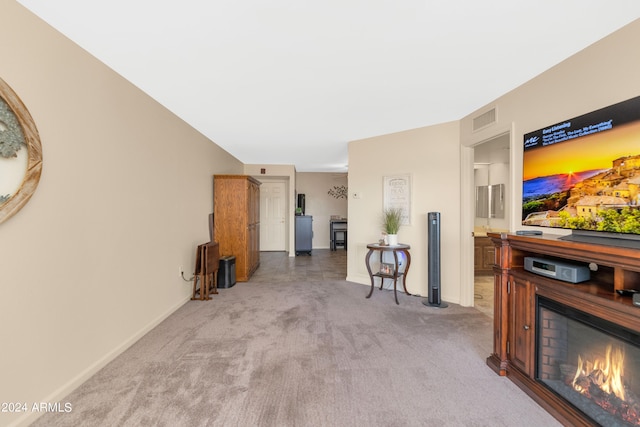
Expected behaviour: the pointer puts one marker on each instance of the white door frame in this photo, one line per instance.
(467, 202)
(290, 184)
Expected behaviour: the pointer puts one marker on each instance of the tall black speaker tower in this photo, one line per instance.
(433, 261)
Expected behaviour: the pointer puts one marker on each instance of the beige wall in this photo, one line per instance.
(91, 262)
(600, 75)
(430, 155)
(315, 186)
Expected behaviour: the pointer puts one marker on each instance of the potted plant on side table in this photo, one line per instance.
(391, 219)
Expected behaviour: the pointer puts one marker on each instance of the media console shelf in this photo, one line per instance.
(516, 292)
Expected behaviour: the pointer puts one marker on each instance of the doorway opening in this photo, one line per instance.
(492, 189)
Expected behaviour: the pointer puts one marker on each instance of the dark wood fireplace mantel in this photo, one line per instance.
(516, 289)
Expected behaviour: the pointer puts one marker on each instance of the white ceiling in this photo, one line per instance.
(292, 81)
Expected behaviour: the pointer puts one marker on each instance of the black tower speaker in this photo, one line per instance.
(433, 261)
(301, 202)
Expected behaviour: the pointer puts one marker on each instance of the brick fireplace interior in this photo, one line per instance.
(593, 364)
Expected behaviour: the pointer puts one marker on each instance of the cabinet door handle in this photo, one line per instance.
(526, 327)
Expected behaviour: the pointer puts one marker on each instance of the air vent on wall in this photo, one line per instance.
(484, 120)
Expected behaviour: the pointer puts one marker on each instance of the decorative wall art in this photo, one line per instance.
(20, 153)
(338, 191)
(397, 194)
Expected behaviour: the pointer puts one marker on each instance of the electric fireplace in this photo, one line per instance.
(591, 363)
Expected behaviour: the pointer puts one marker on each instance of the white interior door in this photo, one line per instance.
(272, 216)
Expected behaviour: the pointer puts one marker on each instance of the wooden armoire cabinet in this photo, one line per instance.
(236, 209)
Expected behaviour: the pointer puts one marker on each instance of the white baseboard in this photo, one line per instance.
(59, 394)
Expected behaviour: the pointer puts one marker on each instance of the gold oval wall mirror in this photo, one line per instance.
(20, 153)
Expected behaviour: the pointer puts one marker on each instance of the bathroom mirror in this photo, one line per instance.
(496, 201)
(482, 201)
(20, 153)
(490, 201)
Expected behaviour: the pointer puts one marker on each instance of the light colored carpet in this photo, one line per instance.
(292, 351)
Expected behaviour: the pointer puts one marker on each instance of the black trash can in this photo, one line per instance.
(227, 272)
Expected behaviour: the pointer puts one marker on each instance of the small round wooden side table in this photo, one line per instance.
(393, 273)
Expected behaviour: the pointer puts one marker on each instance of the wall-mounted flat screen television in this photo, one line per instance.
(583, 174)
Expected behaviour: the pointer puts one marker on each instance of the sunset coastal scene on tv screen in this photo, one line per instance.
(590, 182)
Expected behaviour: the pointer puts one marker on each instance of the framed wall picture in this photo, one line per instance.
(397, 194)
(20, 153)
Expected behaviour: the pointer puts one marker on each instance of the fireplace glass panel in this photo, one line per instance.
(591, 363)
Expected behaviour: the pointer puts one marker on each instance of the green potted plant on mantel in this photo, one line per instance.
(391, 219)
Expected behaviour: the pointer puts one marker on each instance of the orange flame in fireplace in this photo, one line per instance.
(606, 373)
